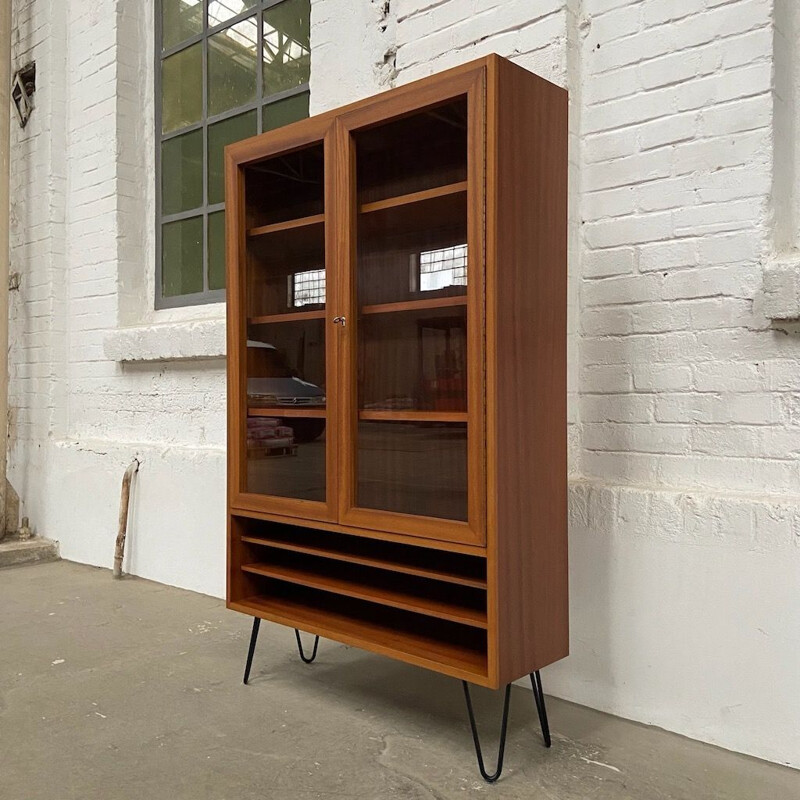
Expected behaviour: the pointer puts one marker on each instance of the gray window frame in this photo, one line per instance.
(258, 7)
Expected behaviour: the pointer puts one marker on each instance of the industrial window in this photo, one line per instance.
(441, 268)
(225, 70)
(307, 288)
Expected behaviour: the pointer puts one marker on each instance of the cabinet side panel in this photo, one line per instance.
(529, 414)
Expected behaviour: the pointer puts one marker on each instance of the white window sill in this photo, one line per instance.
(168, 341)
(782, 288)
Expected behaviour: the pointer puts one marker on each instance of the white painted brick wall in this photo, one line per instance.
(684, 399)
(676, 95)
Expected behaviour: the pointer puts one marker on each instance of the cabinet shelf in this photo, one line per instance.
(379, 308)
(416, 305)
(289, 411)
(380, 415)
(428, 606)
(294, 316)
(414, 197)
(384, 563)
(417, 647)
(415, 215)
(289, 224)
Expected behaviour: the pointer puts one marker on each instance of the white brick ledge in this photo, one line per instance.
(694, 516)
(782, 288)
(174, 341)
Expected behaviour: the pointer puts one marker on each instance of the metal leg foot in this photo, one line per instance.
(504, 726)
(253, 640)
(303, 657)
(538, 696)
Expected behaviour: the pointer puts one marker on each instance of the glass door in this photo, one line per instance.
(285, 359)
(415, 410)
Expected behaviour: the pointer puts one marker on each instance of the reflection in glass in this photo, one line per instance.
(403, 259)
(221, 134)
(232, 66)
(286, 58)
(286, 365)
(216, 250)
(220, 11)
(283, 464)
(282, 112)
(413, 468)
(286, 372)
(182, 172)
(180, 19)
(413, 360)
(442, 268)
(286, 271)
(182, 257)
(182, 88)
(307, 288)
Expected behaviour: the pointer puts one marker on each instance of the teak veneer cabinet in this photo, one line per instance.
(397, 373)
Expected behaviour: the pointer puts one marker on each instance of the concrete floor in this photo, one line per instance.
(131, 689)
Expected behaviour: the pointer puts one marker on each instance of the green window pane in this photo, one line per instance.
(232, 66)
(182, 88)
(219, 135)
(182, 257)
(286, 57)
(220, 11)
(182, 173)
(216, 250)
(180, 19)
(285, 111)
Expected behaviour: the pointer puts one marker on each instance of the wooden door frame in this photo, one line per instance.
(238, 156)
(433, 91)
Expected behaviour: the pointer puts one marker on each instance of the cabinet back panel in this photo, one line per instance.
(285, 187)
(413, 468)
(413, 153)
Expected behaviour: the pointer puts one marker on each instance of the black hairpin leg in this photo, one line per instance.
(253, 640)
(538, 696)
(301, 651)
(504, 726)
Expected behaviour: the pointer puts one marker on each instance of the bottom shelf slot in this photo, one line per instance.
(403, 634)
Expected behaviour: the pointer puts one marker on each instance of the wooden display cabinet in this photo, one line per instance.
(397, 373)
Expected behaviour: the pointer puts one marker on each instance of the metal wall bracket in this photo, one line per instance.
(22, 88)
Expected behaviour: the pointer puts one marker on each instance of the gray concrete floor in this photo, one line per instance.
(130, 689)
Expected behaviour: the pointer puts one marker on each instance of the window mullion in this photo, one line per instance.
(158, 38)
(259, 67)
(205, 146)
(176, 48)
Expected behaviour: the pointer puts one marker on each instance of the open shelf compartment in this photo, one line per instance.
(422, 602)
(426, 641)
(366, 583)
(439, 565)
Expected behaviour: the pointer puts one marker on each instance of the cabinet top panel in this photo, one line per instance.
(315, 127)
